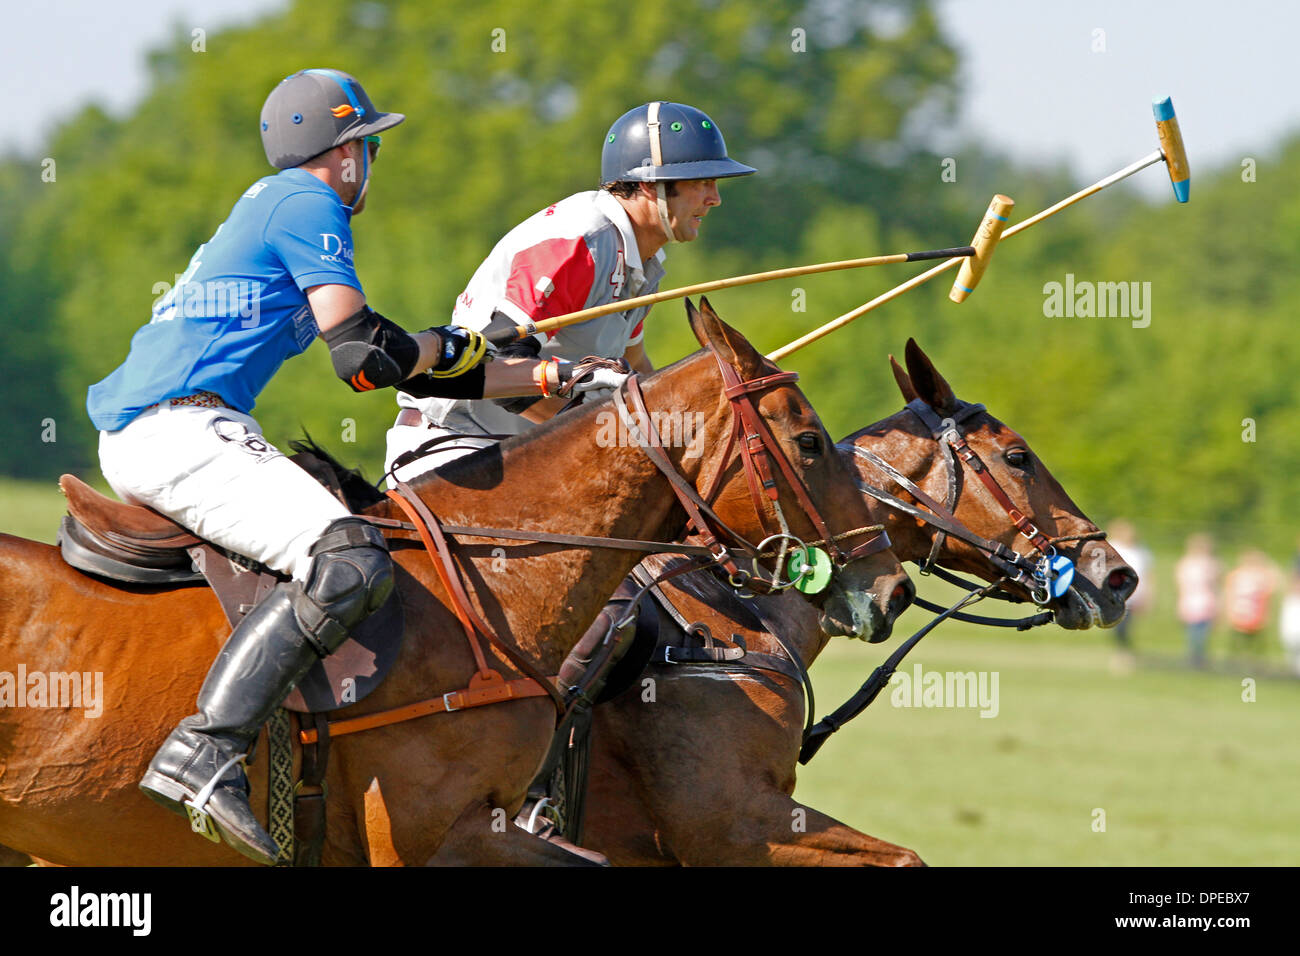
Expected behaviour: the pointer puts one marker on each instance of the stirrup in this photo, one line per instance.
(201, 821)
(549, 810)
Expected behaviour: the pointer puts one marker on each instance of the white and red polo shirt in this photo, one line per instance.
(576, 254)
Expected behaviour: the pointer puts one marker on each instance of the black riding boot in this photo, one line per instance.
(258, 666)
(198, 770)
(582, 678)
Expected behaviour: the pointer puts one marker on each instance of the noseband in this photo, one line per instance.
(758, 450)
(1046, 578)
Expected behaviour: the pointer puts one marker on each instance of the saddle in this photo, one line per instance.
(135, 545)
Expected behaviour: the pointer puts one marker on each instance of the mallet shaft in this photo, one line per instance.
(1096, 187)
(861, 310)
(506, 336)
(926, 276)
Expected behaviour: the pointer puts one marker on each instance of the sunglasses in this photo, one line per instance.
(372, 144)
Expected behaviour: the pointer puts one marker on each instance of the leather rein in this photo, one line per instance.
(1035, 576)
(1015, 567)
(758, 449)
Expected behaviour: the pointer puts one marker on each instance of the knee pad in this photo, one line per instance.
(351, 576)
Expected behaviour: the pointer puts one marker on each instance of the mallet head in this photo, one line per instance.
(1171, 144)
(986, 238)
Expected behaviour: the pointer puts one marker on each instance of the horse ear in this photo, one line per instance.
(904, 383)
(693, 317)
(726, 341)
(929, 385)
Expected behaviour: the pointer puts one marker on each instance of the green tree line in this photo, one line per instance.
(1183, 422)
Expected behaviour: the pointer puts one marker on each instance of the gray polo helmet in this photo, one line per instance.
(315, 110)
(661, 141)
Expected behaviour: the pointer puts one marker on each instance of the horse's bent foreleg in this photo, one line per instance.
(802, 836)
(486, 836)
(10, 857)
(767, 827)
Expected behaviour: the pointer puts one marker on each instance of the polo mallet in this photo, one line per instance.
(1171, 150)
(972, 268)
(505, 336)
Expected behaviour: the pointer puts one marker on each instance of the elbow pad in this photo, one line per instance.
(424, 385)
(368, 351)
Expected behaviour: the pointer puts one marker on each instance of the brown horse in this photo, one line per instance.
(441, 784)
(704, 774)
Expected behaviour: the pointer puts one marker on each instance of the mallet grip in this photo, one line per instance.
(986, 239)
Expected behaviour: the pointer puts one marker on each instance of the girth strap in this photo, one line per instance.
(487, 692)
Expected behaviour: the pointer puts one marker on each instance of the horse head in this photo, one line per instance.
(992, 481)
(790, 486)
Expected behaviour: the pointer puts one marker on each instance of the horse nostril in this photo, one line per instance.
(1122, 581)
(901, 598)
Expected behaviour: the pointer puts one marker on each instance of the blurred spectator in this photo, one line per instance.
(1123, 538)
(1247, 598)
(1290, 624)
(1197, 577)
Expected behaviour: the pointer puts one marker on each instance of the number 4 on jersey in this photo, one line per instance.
(618, 277)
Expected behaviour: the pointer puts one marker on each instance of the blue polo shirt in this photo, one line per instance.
(239, 310)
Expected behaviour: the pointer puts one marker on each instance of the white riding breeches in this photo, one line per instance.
(404, 438)
(210, 470)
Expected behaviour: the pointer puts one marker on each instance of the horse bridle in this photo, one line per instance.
(758, 449)
(1046, 578)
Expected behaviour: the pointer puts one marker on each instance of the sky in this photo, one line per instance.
(1045, 80)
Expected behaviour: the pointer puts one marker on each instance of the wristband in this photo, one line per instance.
(540, 378)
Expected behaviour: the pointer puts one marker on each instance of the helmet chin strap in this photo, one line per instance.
(657, 160)
(662, 204)
(365, 178)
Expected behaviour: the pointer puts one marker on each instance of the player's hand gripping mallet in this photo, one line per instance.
(1171, 151)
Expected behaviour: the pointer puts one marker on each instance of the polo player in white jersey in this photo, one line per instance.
(660, 164)
(659, 168)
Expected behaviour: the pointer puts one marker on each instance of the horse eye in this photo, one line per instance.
(1017, 458)
(811, 442)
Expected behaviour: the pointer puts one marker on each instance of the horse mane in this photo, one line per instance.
(482, 468)
(349, 483)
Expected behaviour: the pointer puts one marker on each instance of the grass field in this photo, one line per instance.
(1186, 772)
(32, 509)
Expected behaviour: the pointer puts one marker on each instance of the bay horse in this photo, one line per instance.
(444, 784)
(705, 774)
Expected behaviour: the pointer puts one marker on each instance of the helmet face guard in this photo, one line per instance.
(315, 110)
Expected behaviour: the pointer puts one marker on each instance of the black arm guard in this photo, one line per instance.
(424, 385)
(369, 351)
(528, 347)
